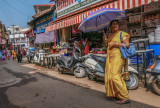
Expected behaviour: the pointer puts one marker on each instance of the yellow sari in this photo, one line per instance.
(114, 82)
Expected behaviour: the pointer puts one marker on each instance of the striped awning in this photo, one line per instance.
(119, 4)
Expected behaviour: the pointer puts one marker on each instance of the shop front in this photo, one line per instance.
(44, 39)
(70, 14)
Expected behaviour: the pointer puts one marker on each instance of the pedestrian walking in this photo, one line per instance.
(114, 82)
(3, 55)
(8, 54)
(19, 56)
(5, 52)
(24, 52)
(0, 55)
(14, 55)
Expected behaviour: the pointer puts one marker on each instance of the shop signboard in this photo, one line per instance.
(63, 8)
(43, 22)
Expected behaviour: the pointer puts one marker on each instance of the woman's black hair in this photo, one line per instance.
(113, 21)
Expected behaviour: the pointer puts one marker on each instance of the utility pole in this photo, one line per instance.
(20, 41)
(13, 36)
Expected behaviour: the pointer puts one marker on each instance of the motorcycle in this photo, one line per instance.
(39, 57)
(95, 68)
(30, 57)
(154, 71)
(72, 64)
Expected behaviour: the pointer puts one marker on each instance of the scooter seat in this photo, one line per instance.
(99, 59)
(67, 58)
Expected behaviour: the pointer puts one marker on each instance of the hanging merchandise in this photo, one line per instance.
(60, 35)
(75, 29)
(57, 36)
(151, 37)
(68, 33)
(152, 7)
(63, 34)
(157, 34)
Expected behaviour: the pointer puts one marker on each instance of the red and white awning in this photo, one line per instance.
(120, 4)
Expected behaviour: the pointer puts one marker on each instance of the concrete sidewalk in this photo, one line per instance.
(139, 95)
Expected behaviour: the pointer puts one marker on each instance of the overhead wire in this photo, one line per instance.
(24, 3)
(6, 10)
(4, 14)
(27, 2)
(16, 9)
(9, 12)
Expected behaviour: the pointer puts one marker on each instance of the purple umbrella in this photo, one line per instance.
(100, 19)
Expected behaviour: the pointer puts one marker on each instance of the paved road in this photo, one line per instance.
(39, 91)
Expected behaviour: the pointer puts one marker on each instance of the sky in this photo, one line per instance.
(18, 12)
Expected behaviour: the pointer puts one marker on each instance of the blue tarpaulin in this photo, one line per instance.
(32, 49)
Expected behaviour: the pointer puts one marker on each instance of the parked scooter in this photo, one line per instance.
(154, 71)
(30, 57)
(95, 67)
(39, 57)
(72, 64)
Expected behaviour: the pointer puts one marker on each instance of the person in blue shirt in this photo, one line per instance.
(0, 55)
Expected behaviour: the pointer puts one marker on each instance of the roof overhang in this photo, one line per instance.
(35, 16)
(42, 7)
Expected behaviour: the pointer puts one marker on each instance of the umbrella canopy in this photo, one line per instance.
(100, 19)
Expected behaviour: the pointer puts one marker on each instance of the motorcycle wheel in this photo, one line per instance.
(48, 65)
(28, 60)
(156, 86)
(32, 61)
(79, 72)
(132, 84)
(91, 77)
(60, 71)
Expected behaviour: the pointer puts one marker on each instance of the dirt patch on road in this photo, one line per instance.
(26, 78)
(4, 102)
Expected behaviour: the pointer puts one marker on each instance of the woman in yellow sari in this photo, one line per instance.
(14, 55)
(114, 82)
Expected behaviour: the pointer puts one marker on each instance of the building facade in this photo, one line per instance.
(3, 36)
(17, 37)
(43, 17)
